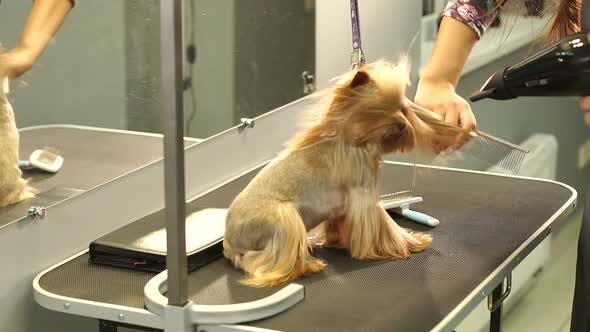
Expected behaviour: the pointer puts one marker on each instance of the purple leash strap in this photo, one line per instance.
(357, 57)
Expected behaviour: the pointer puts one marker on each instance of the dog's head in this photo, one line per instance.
(368, 107)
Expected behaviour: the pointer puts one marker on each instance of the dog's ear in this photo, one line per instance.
(360, 78)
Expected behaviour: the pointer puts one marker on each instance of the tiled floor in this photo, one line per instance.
(547, 305)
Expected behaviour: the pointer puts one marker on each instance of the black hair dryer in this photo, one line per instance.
(562, 69)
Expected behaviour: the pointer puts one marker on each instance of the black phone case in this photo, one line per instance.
(141, 245)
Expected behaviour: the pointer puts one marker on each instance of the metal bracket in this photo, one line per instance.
(492, 306)
(37, 211)
(178, 319)
(246, 122)
(308, 82)
(357, 58)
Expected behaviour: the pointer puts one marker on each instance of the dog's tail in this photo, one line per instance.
(286, 256)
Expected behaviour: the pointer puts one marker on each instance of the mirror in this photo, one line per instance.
(101, 75)
(242, 59)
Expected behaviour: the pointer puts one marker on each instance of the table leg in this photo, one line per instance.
(496, 315)
(108, 326)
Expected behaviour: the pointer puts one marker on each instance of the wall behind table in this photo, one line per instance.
(381, 35)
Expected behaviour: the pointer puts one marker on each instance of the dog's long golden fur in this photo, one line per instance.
(326, 180)
(13, 188)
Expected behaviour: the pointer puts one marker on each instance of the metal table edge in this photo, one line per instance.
(110, 130)
(116, 313)
(461, 170)
(91, 309)
(485, 288)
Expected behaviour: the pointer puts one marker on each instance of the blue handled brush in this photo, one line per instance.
(399, 202)
(47, 159)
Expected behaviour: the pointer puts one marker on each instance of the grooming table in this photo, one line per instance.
(489, 223)
(92, 157)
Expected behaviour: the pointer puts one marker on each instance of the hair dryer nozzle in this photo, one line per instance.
(493, 88)
(482, 94)
(562, 69)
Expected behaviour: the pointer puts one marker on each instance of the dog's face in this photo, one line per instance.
(369, 107)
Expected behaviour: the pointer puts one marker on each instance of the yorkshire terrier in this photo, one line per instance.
(13, 188)
(323, 188)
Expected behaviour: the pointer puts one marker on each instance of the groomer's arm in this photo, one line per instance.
(438, 81)
(45, 19)
(462, 25)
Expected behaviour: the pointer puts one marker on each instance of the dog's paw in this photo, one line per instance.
(314, 265)
(420, 242)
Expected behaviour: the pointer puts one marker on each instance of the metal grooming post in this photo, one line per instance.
(173, 122)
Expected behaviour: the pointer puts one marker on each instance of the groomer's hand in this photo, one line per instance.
(585, 106)
(16, 62)
(440, 97)
(44, 20)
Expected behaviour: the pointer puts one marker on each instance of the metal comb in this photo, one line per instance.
(496, 151)
(489, 148)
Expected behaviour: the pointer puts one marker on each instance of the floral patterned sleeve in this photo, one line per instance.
(477, 14)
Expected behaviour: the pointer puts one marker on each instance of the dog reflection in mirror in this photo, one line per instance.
(323, 189)
(13, 188)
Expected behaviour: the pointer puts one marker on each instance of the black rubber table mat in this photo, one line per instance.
(91, 158)
(83, 280)
(484, 219)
